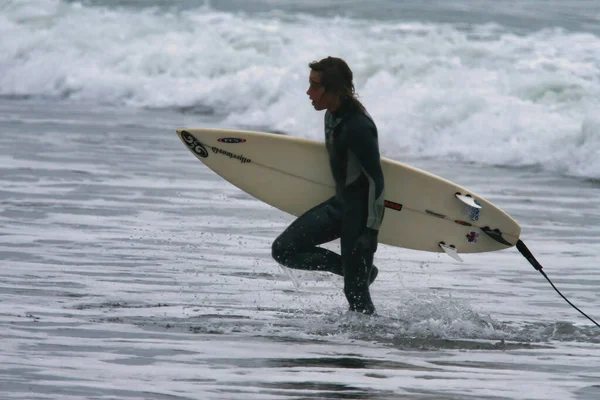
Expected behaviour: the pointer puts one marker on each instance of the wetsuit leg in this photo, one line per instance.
(357, 268)
(357, 262)
(297, 247)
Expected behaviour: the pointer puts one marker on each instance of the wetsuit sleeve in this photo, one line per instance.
(362, 141)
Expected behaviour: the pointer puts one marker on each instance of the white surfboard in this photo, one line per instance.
(423, 211)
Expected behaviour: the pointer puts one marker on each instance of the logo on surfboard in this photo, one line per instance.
(472, 237)
(392, 205)
(472, 212)
(194, 145)
(231, 155)
(231, 140)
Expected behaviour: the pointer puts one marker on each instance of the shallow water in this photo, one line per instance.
(131, 271)
(128, 270)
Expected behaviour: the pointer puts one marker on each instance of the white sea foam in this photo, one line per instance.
(473, 93)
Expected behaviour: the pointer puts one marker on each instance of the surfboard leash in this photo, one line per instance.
(527, 254)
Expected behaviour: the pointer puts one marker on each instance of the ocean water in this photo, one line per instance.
(128, 270)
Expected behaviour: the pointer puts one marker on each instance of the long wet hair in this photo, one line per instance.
(337, 78)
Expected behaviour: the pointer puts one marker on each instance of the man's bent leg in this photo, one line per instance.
(297, 247)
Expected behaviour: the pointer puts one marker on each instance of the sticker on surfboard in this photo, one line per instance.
(472, 208)
(231, 140)
(472, 213)
(392, 205)
(231, 155)
(472, 237)
(194, 145)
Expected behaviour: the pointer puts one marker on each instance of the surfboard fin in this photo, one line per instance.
(468, 200)
(450, 250)
(496, 235)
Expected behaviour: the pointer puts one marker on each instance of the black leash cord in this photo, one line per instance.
(527, 254)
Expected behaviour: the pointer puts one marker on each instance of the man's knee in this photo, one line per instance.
(280, 250)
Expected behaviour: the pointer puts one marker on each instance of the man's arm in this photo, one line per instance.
(362, 141)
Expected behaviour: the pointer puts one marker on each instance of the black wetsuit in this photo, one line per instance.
(354, 214)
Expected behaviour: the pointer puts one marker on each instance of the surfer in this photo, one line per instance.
(355, 213)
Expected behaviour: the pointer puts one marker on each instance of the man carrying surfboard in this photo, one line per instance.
(355, 213)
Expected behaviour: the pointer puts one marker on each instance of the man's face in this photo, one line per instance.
(316, 92)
